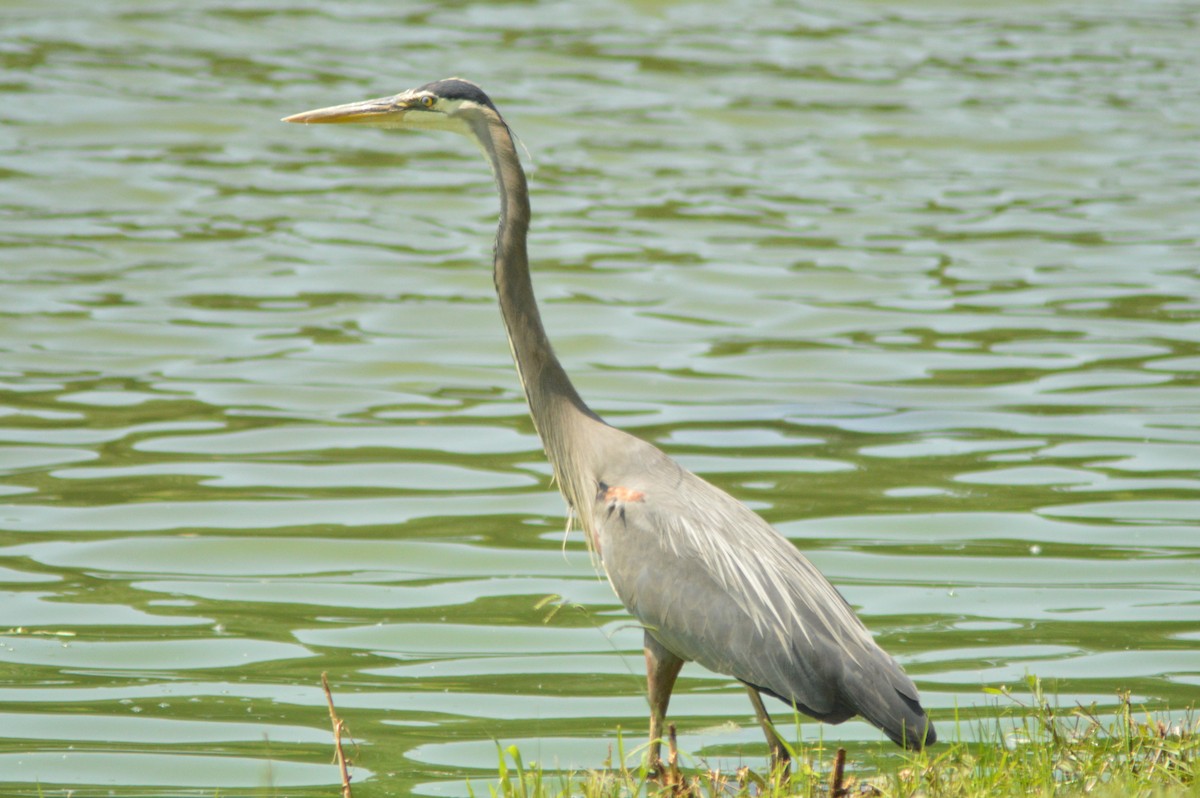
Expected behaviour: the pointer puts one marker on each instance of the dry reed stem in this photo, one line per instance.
(836, 790)
(338, 728)
(673, 778)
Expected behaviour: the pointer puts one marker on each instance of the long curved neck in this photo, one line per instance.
(554, 404)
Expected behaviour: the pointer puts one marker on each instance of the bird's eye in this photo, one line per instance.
(427, 101)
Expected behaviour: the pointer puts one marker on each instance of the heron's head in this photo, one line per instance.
(453, 104)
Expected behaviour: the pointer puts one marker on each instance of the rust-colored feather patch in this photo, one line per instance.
(617, 493)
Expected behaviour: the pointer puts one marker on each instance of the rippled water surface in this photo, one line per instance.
(918, 281)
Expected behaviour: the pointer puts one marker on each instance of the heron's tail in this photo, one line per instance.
(888, 699)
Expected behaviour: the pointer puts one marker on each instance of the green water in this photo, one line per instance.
(918, 281)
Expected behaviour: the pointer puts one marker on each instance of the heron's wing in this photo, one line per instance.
(718, 585)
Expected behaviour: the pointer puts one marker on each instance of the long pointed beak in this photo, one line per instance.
(382, 111)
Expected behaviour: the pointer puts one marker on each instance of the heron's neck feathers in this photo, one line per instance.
(558, 411)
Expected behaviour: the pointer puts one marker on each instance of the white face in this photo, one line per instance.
(425, 111)
(409, 110)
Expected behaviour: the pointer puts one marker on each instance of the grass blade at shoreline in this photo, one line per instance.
(1028, 748)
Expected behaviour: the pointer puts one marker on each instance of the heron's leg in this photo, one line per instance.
(661, 669)
(780, 759)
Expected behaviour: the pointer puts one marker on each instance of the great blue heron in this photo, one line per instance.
(710, 581)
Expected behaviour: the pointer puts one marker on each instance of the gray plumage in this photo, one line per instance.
(709, 580)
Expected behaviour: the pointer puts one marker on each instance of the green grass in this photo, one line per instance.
(1028, 747)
